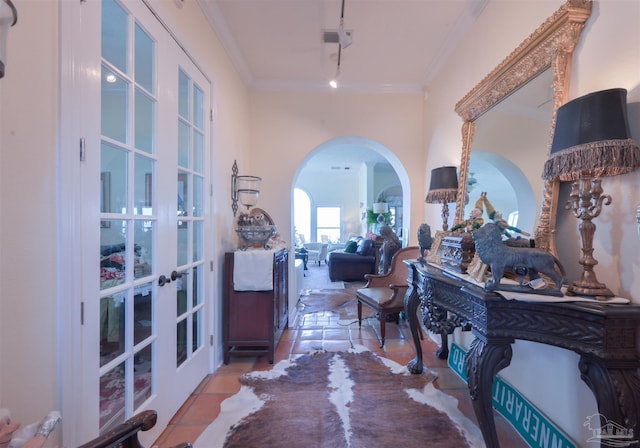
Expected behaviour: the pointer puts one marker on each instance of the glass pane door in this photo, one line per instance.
(153, 171)
(128, 219)
(190, 217)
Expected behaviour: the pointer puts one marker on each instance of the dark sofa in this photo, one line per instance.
(352, 266)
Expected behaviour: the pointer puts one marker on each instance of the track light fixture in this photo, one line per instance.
(344, 40)
(334, 81)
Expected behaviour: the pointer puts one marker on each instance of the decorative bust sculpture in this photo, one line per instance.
(390, 246)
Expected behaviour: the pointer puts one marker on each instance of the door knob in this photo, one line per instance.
(162, 280)
(176, 275)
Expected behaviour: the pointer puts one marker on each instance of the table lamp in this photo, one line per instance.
(380, 208)
(591, 140)
(443, 188)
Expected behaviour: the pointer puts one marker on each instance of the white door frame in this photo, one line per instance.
(73, 124)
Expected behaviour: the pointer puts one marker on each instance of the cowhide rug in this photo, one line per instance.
(343, 399)
(342, 302)
(317, 277)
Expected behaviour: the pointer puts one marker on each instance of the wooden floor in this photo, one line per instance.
(320, 330)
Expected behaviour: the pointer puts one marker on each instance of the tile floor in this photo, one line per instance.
(321, 330)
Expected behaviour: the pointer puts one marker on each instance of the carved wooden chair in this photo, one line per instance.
(385, 293)
(125, 435)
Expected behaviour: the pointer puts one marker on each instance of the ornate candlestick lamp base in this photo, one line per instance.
(585, 201)
(445, 216)
(591, 140)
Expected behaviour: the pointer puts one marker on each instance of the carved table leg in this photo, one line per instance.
(484, 360)
(439, 315)
(411, 302)
(617, 392)
(436, 320)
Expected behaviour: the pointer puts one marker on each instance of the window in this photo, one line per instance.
(302, 216)
(328, 220)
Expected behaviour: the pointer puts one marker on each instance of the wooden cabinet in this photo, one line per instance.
(280, 293)
(253, 321)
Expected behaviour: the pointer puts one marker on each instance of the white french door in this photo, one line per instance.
(144, 179)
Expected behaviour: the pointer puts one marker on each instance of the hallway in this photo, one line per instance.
(321, 330)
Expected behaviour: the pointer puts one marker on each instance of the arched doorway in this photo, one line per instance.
(351, 173)
(506, 187)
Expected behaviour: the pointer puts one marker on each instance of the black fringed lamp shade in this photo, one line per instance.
(591, 141)
(592, 134)
(443, 187)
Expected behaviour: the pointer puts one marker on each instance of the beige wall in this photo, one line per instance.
(28, 133)
(608, 56)
(286, 127)
(31, 319)
(270, 134)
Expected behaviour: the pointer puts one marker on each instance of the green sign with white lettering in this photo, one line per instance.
(457, 361)
(533, 426)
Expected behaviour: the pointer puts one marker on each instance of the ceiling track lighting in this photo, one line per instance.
(344, 40)
(334, 82)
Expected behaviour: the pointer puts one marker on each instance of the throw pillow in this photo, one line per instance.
(365, 247)
(351, 247)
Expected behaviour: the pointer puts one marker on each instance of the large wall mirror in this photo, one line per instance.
(508, 126)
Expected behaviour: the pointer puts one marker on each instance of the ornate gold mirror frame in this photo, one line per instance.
(551, 45)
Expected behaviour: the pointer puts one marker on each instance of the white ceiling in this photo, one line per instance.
(345, 159)
(397, 47)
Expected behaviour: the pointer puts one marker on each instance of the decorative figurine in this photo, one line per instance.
(522, 261)
(475, 220)
(424, 240)
(498, 220)
(255, 229)
(390, 246)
